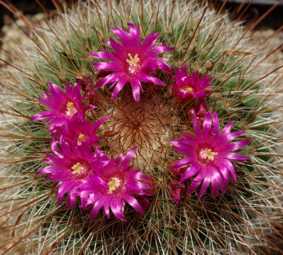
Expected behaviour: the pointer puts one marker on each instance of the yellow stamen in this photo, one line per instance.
(133, 62)
(71, 110)
(113, 184)
(81, 139)
(78, 169)
(188, 89)
(207, 154)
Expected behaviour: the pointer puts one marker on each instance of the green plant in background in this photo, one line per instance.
(239, 86)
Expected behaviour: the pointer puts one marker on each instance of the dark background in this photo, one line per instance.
(30, 7)
(274, 20)
(26, 6)
(252, 11)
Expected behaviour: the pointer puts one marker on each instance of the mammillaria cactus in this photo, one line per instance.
(97, 159)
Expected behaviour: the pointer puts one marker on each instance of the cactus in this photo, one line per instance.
(240, 85)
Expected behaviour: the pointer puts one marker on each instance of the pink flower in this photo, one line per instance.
(114, 185)
(80, 132)
(131, 60)
(209, 153)
(70, 167)
(61, 105)
(193, 86)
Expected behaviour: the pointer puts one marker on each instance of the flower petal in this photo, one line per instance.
(106, 208)
(96, 208)
(101, 121)
(205, 183)
(124, 36)
(46, 170)
(189, 172)
(229, 166)
(237, 156)
(118, 87)
(105, 66)
(154, 80)
(215, 121)
(207, 122)
(117, 207)
(135, 204)
(227, 128)
(110, 78)
(41, 116)
(136, 89)
(161, 49)
(217, 183)
(231, 136)
(101, 54)
(180, 163)
(72, 199)
(134, 30)
(115, 45)
(194, 185)
(129, 156)
(65, 188)
(240, 144)
(150, 39)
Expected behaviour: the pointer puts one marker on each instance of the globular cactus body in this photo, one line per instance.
(171, 83)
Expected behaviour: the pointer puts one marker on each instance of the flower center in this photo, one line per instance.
(71, 110)
(133, 63)
(113, 184)
(79, 169)
(81, 139)
(207, 154)
(188, 89)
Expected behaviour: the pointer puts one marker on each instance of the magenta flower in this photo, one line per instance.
(114, 185)
(70, 167)
(80, 132)
(209, 153)
(131, 61)
(61, 105)
(192, 86)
